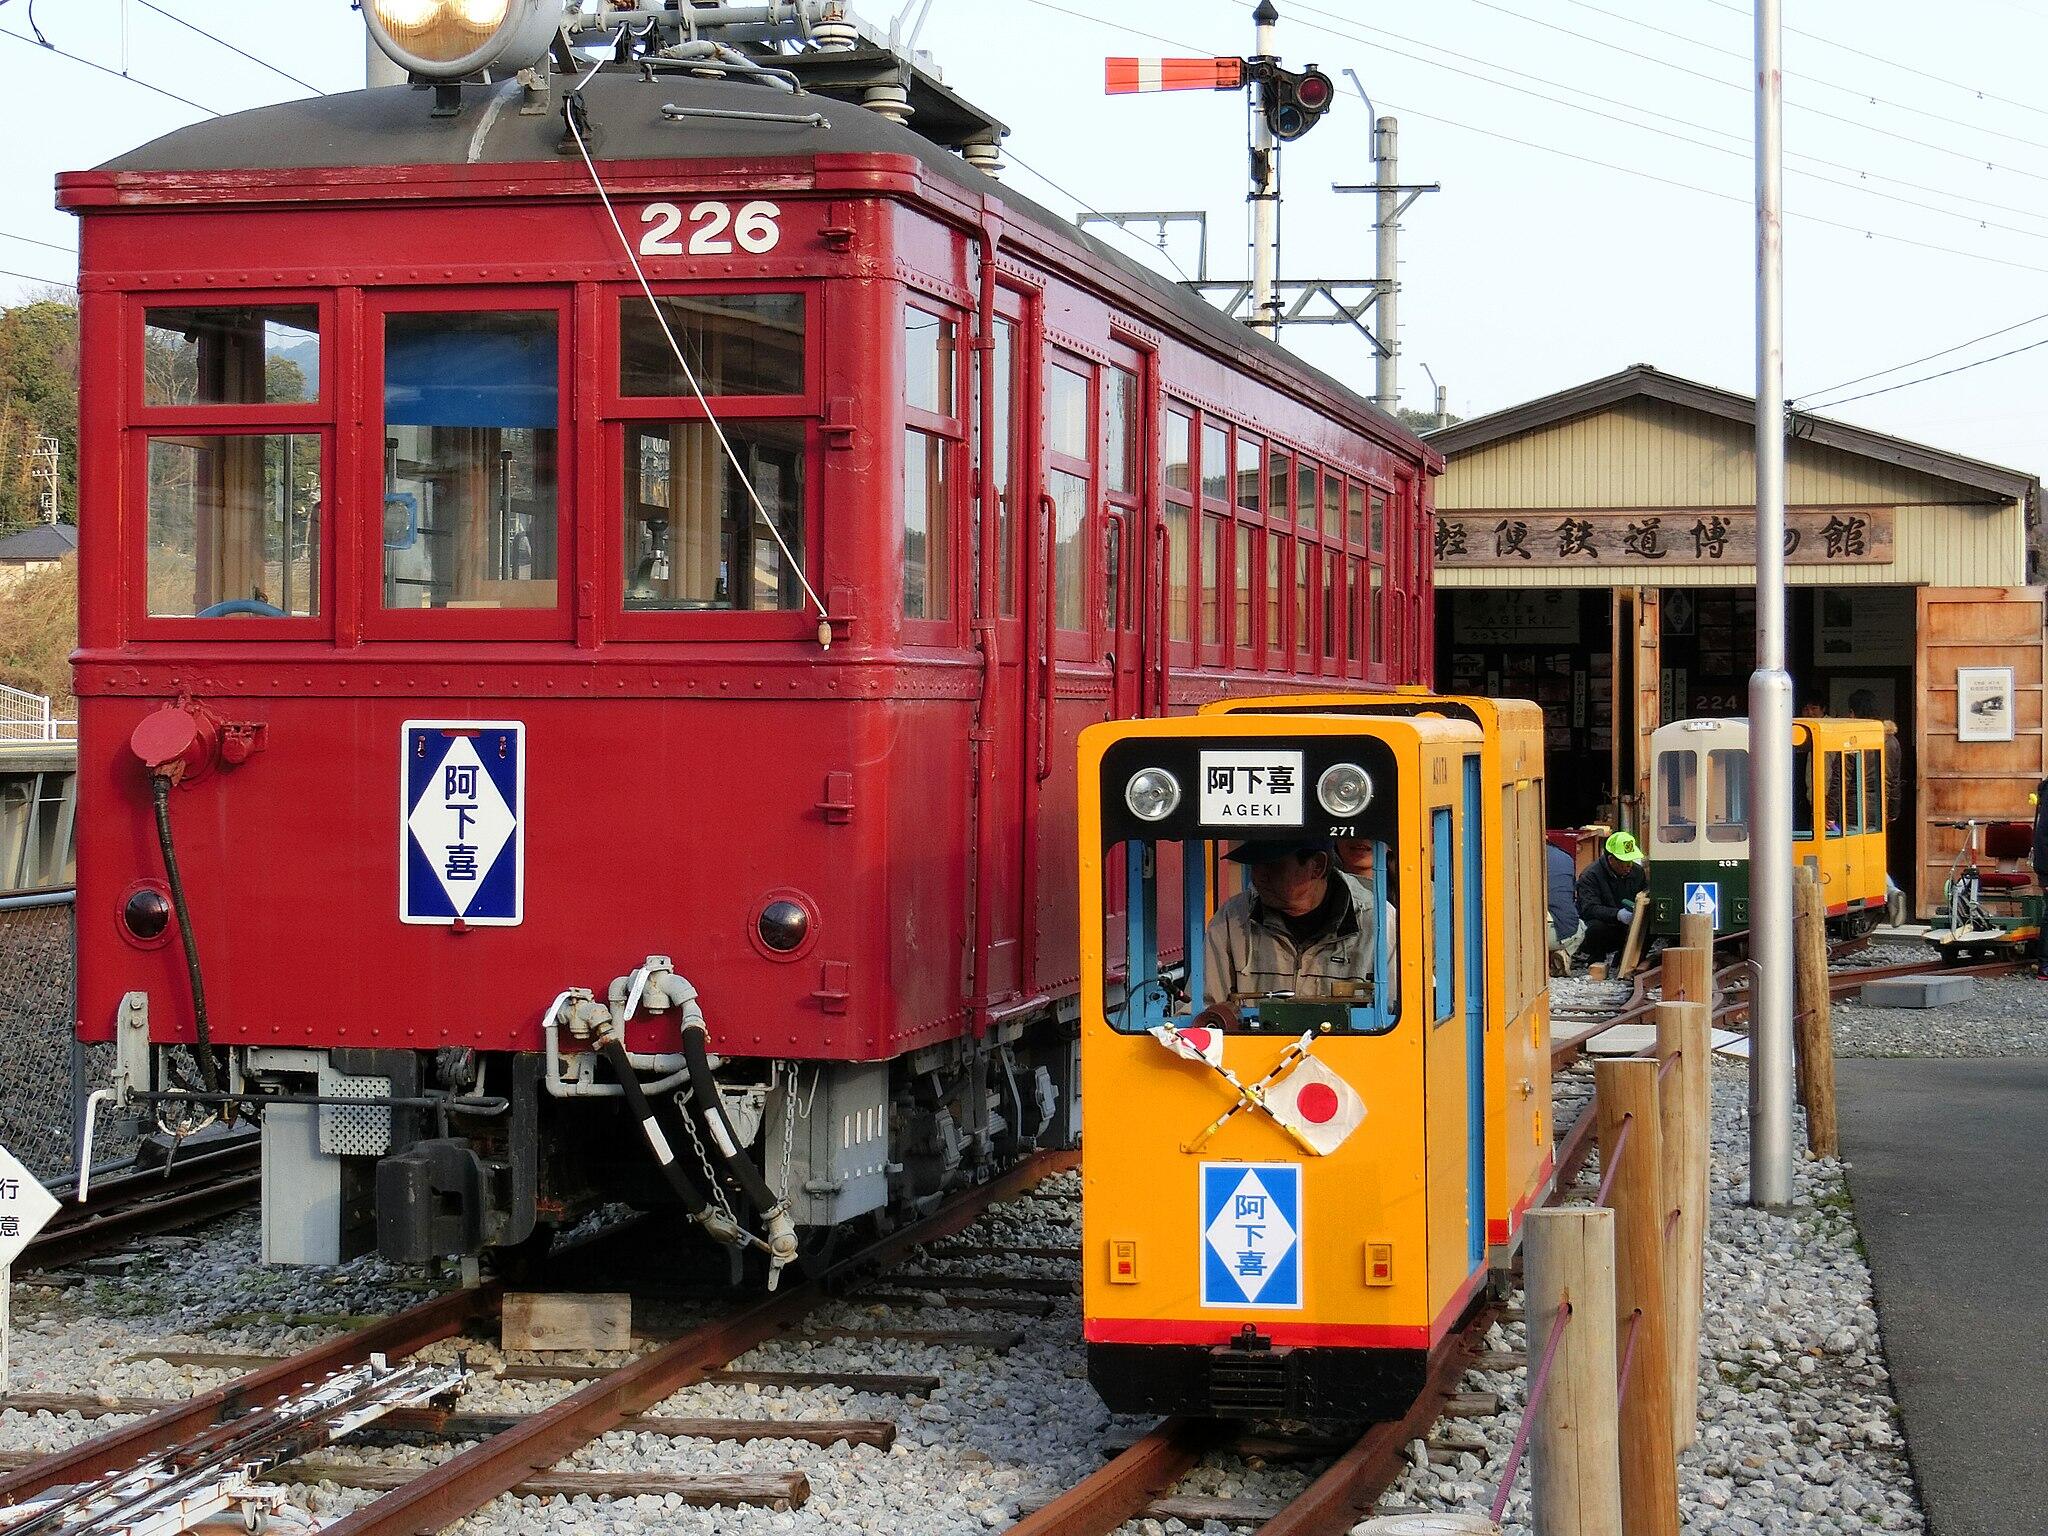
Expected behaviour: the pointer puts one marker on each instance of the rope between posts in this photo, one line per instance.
(1628, 1356)
(1536, 1385)
(1614, 1163)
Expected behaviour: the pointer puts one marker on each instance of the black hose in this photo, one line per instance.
(679, 1180)
(710, 1111)
(160, 793)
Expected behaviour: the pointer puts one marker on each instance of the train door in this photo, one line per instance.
(1003, 603)
(1471, 897)
(1069, 642)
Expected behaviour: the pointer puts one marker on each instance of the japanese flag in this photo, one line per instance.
(1196, 1042)
(1317, 1105)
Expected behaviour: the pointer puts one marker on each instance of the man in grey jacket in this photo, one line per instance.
(1303, 927)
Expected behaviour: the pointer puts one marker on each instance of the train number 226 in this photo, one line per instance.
(714, 227)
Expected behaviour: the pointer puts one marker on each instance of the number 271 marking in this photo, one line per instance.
(713, 229)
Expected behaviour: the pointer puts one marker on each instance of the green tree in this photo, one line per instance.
(38, 396)
(1426, 421)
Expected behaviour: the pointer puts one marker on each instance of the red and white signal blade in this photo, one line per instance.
(1317, 1105)
(1197, 1042)
(1123, 77)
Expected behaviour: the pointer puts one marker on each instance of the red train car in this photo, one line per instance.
(465, 656)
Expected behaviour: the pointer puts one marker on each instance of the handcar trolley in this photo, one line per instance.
(1285, 1198)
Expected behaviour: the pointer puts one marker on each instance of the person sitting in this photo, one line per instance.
(1300, 931)
(1355, 857)
(1567, 928)
(1607, 895)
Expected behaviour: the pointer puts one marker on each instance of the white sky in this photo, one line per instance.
(1529, 272)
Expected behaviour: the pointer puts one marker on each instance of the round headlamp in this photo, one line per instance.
(448, 39)
(1152, 794)
(1345, 789)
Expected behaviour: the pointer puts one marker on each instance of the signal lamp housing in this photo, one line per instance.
(1294, 101)
(452, 39)
(1153, 794)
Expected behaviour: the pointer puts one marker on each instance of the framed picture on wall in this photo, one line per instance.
(1984, 704)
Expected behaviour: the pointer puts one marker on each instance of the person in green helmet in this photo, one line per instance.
(1608, 892)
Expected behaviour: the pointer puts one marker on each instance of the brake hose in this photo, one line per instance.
(160, 793)
(710, 1111)
(694, 1199)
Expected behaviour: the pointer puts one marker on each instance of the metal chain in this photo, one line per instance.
(710, 1173)
(788, 1126)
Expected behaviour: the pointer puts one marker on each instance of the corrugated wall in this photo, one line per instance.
(1653, 454)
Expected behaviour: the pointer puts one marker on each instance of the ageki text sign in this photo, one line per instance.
(1497, 540)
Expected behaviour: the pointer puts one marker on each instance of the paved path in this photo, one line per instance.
(1949, 1169)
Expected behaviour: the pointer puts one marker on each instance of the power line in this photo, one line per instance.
(1086, 206)
(1903, 138)
(32, 277)
(51, 245)
(1928, 378)
(50, 47)
(2017, 325)
(1877, 58)
(1916, 109)
(285, 74)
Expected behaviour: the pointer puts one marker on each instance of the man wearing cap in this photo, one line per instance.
(1608, 891)
(1303, 926)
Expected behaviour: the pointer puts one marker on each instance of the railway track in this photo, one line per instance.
(510, 1450)
(196, 1187)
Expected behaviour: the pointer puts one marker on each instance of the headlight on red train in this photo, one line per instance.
(1152, 794)
(448, 39)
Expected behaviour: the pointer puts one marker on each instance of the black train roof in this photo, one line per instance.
(394, 125)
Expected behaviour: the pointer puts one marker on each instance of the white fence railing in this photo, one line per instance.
(26, 716)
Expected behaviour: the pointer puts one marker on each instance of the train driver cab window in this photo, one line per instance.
(1678, 797)
(1832, 779)
(713, 515)
(472, 406)
(1728, 795)
(233, 503)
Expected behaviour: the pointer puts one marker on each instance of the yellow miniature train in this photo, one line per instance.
(1303, 1155)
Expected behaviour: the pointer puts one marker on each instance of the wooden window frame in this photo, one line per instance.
(616, 410)
(1073, 645)
(141, 422)
(571, 558)
(950, 632)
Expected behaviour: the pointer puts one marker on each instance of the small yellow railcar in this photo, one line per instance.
(1285, 1198)
(1519, 1155)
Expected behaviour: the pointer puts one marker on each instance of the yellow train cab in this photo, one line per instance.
(1520, 1163)
(1284, 1198)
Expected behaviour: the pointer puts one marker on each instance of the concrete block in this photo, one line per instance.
(1624, 1040)
(1916, 991)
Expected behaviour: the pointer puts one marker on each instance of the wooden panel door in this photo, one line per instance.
(1955, 779)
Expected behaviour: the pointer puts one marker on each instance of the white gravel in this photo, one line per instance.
(2003, 1016)
(1798, 1430)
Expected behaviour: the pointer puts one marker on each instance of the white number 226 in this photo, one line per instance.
(713, 229)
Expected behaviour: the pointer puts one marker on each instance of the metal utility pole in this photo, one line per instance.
(1770, 686)
(1387, 244)
(46, 462)
(1265, 194)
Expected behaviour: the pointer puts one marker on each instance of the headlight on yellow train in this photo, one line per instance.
(1152, 794)
(1345, 789)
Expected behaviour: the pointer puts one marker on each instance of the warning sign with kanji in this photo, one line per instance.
(24, 1206)
(462, 814)
(1251, 1234)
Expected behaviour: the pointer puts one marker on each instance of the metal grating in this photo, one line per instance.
(346, 1132)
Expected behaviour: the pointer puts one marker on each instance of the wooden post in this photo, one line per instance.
(1814, 1036)
(1626, 1094)
(1688, 975)
(1696, 931)
(1574, 1449)
(1638, 936)
(1682, 1036)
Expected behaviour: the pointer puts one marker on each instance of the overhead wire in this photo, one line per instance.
(35, 277)
(1805, 78)
(191, 26)
(1914, 362)
(46, 45)
(49, 245)
(1088, 207)
(1928, 378)
(1551, 149)
(1877, 58)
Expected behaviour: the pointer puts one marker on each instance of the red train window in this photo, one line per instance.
(931, 438)
(234, 525)
(694, 540)
(236, 354)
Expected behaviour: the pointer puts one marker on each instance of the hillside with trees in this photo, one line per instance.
(38, 397)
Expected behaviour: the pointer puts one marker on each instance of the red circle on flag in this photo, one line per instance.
(1317, 1103)
(1197, 1038)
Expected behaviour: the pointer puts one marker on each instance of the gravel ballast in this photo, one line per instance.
(1798, 1429)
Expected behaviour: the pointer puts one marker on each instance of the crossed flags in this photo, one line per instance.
(1307, 1100)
